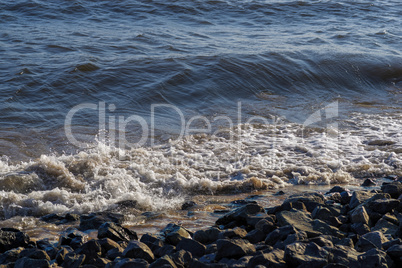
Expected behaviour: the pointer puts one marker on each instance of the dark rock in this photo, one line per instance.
(237, 232)
(310, 200)
(337, 189)
(306, 254)
(303, 222)
(12, 238)
(61, 254)
(266, 225)
(241, 214)
(108, 244)
(395, 251)
(343, 255)
(394, 189)
(174, 233)
(295, 205)
(11, 255)
(253, 220)
(95, 220)
(233, 248)
(164, 261)
(242, 262)
(34, 253)
(369, 241)
(275, 259)
(279, 193)
(386, 227)
(114, 253)
(154, 242)
(368, 182)
(255, 236)
(91, 249)
(188, 204)
(279, 235)
(72, 237)
(130, 263)
(136, 249)
(26, 262)
(325, 214)
(322, 241)
(165, 250)
(359, 215)
(380, 143)
(182, 258)
(194, 247)
(375, 258)
(207, 236)
(73, 260)
(346, 196)
(392, 242)
(360, 228)
(384, 206)
(116, 232)
(359, 197)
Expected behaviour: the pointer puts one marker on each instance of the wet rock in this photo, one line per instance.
(368, 182)
(384, 206)
(233, 248)
(394, 189)
(392, 242)
(12, 238)
(116, 232)
(60, 219)
(207, 236)
(154, 242)
(359, 197)
(337, 189)
(370, 240)
(359, 215)
(295, 205)
(375, 258)
(73, 238)
(26, 262)
(279, 193)
(73, 260)
(275, 258)
(136, 249)
(194, 247)
(164, 261)
(174, 233)
(310, 200)
(346, 196)
(306, 254)
(108, 244)
(114, 253)
(240, 215)
(188, 204)
(95, 220)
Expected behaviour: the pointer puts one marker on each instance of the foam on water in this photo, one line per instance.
(246, 158)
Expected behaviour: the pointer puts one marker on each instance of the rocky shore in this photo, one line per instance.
(340, 228)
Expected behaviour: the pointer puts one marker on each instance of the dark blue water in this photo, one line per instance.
(201, 56)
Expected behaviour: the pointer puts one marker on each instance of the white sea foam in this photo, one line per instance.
(157, 178)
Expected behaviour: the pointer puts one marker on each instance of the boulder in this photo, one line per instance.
(309, 254)
(359, 197)
(394, 189)
(12, 238)
(310, 200)
(26, 262)
(275, 259)
(240, 215)
(375, 258)
(182, 258)
(237, 232)
(10, 256)
(116, 232)
(386, 227)
(95, 220)
(72, 237)
(73, 260)
(194, 247)
(255, 236)
(233, 248)
(136, 249)
(91, 250)
(174, 233)
(207, 236)
(130, 262)
(359, 215)
(164, 261)
(370, 240)
(266, 225)
(384, 206)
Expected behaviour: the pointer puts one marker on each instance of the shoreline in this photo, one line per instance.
(341, 228)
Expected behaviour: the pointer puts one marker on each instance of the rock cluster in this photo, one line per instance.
(336, 229)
